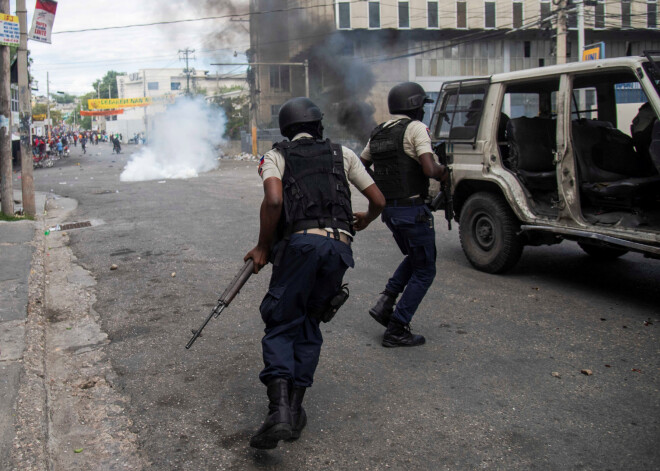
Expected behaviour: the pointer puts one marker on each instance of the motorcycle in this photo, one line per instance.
(43, 159)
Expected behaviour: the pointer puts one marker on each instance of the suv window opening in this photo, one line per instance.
(479, 89)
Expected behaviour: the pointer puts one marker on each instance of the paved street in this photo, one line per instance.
(480, 394)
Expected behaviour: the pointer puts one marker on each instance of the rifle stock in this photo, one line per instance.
(226, 298)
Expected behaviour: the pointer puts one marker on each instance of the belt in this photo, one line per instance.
(345, 238)
(417, 201)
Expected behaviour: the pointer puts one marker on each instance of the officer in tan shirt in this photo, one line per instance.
(307, 196)
(400, 150)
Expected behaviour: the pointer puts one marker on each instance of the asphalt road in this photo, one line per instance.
(479, 395)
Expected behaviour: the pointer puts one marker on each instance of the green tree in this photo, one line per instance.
(85, 122)
(55, 115)
(236, 109)
(107, 86)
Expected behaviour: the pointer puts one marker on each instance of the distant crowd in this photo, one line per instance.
(60, 141)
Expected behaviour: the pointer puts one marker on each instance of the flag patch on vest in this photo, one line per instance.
(261, 162)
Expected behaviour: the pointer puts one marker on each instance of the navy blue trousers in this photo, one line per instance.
(309, 274)
(414, 233)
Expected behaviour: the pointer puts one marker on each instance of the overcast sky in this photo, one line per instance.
(76, 60)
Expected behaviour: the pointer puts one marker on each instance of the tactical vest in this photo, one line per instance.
(396, 174)
(314, 186)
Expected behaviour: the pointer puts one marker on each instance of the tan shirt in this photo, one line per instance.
(272, 165)
(416, 139)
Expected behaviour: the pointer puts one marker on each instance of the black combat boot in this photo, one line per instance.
(298, 415)
(399, 335)
(382, 311)
(277, 425)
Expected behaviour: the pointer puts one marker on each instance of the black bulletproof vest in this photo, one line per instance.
(314, 186)
(396, 174)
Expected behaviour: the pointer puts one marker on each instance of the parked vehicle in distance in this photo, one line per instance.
(561, 152)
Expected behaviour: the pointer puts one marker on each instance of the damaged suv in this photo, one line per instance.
(563, 152)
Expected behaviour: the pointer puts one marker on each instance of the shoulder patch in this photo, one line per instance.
(261, 162)
(428, 132)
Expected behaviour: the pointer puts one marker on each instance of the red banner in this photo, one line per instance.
(101, 112)
(42, 21)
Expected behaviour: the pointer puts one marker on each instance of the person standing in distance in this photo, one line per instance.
(400, 150)
(306, 229)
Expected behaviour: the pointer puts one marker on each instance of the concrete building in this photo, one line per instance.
(166, 85)
(375, 44)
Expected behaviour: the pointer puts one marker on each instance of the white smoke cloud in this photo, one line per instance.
(182, 143)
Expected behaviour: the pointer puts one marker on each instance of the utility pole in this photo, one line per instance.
(25, 115)
(580, 21)
(184, 55)
(561, 31)
(146, 115)
(6, 189)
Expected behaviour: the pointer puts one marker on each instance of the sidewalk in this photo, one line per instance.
(16, 252)
(60, 408)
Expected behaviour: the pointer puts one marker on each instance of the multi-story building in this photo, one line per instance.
(166, 84)
(357, 50)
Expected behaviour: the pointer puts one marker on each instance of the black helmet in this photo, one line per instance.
(407, 96)
(298, 110)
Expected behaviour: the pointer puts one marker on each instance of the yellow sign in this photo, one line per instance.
(117, 103)
(114, 103)
(9, 30)
(594, 52)
(38, 117)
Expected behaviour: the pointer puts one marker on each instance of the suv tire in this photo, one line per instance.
(600, 252)
(488, 231)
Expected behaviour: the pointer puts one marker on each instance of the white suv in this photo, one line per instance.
(563, 152)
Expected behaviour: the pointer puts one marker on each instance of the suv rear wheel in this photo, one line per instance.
(488, 232)
(601, 252)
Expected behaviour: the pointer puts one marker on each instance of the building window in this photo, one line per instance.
(14, 98)
(279, 78)
(175, 86)
(527, 49)
(344, 9)
(517, 14)
(599, 15)
(490, 14)
(374, 14)
(432, 9)
(404, 15)
(625, 13)
(275, 111)
(546, 11)
(652, 14)
(461, 14)
(152, 85)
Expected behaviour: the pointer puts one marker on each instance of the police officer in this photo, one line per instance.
(400, 150)
(306, 229)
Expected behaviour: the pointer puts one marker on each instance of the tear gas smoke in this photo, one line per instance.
(182, 143)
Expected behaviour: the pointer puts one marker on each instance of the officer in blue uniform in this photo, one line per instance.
(306, 229)
(401, 153)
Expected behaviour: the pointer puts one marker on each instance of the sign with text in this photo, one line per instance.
(594, 52)
(10, 33)
(113, 103)
(42, 21)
